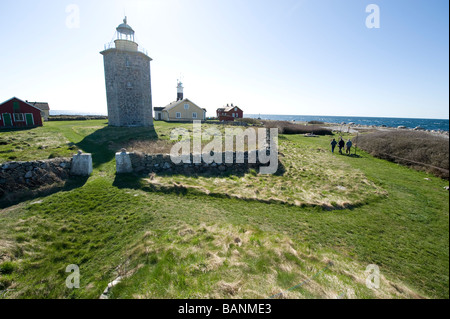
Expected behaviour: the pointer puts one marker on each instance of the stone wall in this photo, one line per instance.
(20, 176)
(162, 164)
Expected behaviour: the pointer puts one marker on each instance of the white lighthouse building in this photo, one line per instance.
(179, 90)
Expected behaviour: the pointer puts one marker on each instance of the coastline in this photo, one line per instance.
(357, 128)
(367, 122)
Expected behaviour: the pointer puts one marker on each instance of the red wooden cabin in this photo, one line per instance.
(16, 113)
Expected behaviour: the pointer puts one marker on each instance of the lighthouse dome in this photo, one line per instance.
(124, 28)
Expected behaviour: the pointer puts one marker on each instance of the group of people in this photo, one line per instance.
(341, 144)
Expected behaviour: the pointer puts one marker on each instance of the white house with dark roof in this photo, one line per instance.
(181, 110)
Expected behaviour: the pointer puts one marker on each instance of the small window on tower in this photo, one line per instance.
(129, 85)
(127, 63)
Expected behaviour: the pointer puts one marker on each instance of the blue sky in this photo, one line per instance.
(307, 57)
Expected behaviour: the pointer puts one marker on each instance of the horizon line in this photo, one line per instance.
(381, 117)
(267, 114)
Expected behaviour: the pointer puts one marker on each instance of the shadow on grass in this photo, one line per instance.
(17, 129)
(102, 143)
(132, 181)
(136, 182)
(354, 156)
(10, 199)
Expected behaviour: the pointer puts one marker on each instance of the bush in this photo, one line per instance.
(316, 122)
(251, 121)
(4, 283)
(6, 268)
(148, 147)
(285, 127)
(420, 150)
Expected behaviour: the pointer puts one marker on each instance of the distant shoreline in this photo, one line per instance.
(344, 116)
(74, 113)
(263, 116)
(373, 122)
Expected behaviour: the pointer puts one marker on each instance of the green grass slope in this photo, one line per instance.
(183, 243)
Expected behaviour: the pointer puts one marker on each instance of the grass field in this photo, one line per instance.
(312, 177)
(187, 244)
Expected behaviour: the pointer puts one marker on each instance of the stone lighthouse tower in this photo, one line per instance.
(128, 82)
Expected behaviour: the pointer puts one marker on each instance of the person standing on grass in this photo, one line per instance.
(341, 145)
(349, 147)
(333, 145)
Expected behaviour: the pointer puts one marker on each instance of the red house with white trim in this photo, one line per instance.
(229, 113)
(16, 113)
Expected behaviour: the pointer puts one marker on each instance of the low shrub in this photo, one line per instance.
(316, 122)
(6, 268)
(4, 283)
(251, 121)
(147, 147)
(285, 127)
(420, 150)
